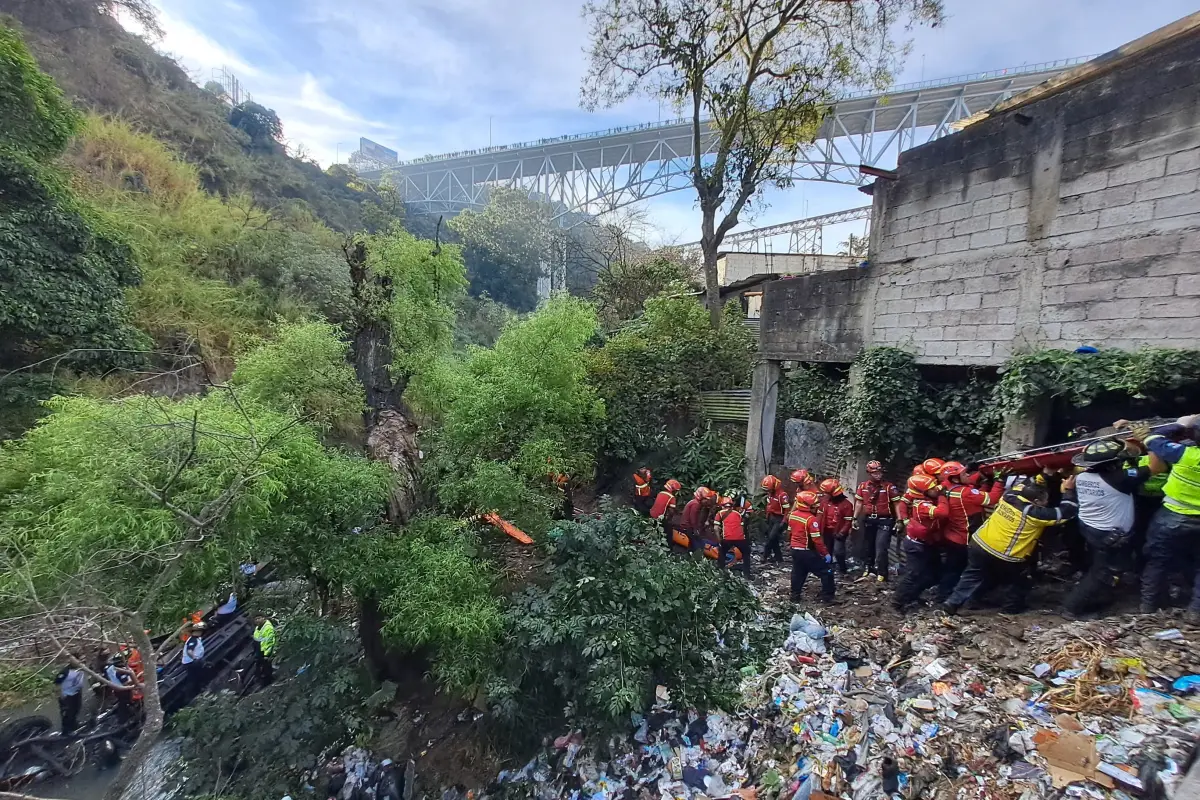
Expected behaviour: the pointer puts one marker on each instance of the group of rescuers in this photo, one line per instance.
(119, 676)
(1130, 503)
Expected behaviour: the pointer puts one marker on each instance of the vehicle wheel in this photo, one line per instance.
(22, 728)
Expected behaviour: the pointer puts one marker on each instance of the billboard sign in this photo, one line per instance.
(377, 152)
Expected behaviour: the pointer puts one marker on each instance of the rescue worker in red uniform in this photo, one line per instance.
(663, 509)
(930, 466)
(928, 510)
(733, 534)
(877, 508)
(804, 480)
(809, 554)
(643, 493)
(966, 511)
(696, 519)
(836, 518)
(778, 506)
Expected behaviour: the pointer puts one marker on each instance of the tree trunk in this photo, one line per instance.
(708, 246)
(391, 435)
(151, 710)
(370, 634)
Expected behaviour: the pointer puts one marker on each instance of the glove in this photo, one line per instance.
(855, 525)
(828, 558)
(1140, 431)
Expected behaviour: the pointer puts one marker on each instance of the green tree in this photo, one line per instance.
(617, 617)
(258, 122)
(505, 244)
(119, 515)
(754, 78)
(513, 415)
(623, 287)
(304, 370)
(63, 270)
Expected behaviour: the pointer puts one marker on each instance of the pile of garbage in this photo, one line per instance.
(940, 708)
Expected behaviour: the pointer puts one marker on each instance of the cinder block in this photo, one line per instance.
(969, 269)
(980, 190)
(993, 332)
(1092, 290)
(955, 244)
(1167, 308)
(1168, 186)
(954, 213)
(1127, 214)
(972, 224)
(1095, 253)
(1148, 287)
(997, 202)
(1108, 198)
(950, 287)
(1188, 286)
(936, 274)
(887, 321)
(927, 334)
(1005, 315)
(887, 293)
(1053, 295)
(1018, 199)
(900, 306)
(1190, 241)
(1074, 223)
(940, 348)
(988, 238)
(1050, 331)
(1112, 309)
(1178, 206)
(1064, 313)
(1186, 161)
(1002, 350)
(1138, 171)
(976, 349)
(1019, 233)
(1067, 276)
(1153, 245)
(917, 291)
(931, 304)
(964, 302)
(1088, 182)
(921, 249)
(1174, 265)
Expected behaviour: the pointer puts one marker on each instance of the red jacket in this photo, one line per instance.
(965, 502)
(926, 519)
(877, 498)
(731, 525)
(778, 503)
(693, 516)
(804, 528)
(837, 516)
(641, 486)
(664, 504)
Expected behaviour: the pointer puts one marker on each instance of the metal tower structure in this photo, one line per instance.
(804, 235)
(599, 172)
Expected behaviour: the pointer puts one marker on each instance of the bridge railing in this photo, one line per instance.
(1045, 66)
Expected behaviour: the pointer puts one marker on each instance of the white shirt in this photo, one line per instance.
(193, 649)
(1101, 506)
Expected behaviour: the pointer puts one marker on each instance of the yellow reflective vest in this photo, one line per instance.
(1183, 484)
(1012, 532)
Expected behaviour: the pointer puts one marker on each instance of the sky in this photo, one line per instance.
(435, 76)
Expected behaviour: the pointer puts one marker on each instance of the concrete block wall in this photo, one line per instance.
(1072, 220)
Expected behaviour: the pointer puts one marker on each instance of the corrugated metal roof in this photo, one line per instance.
(729, 405)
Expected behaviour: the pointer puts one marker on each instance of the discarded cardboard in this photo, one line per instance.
(1072, 757)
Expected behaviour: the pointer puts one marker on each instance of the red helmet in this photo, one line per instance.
(922, 483)
(933, 466)
(807, 499)
(874, 466)
(770, 483)
(952, 469)
(672, 485)
(703, 493)
(830, 486)
(725, 502)
(801, 477)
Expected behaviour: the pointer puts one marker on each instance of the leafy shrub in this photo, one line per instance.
(261, 744)
(618, 616)
(706, 457)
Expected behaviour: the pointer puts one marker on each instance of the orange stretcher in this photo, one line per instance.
(711, 549)
(492, 518)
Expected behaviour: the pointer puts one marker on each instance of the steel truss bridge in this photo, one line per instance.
(598, 172)
(804, 235)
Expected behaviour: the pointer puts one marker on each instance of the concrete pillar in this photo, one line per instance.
(855, 470)
(1027, 430)
(760, 430)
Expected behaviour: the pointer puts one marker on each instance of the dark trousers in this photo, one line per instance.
(1108, 553)
(876, 538)
(810, 561)
(262, 665)
(743, 546)
(643, 504)
(921, 569)
(838, 548)
(953, 559)
(195, 676)
(1172, 545)
(68, 709)
(773, 550)
(1012, 577)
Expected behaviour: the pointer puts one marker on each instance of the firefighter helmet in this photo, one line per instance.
(922, 483)
(808, 500)
(932, 466)
(672, 485)
(703, 493)
(874, 466)
(801, 477)
(725, 502)
(952, 469)
(770, 483)
(830, 486)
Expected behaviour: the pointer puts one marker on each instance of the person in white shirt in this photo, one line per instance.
(193, 657)
(70, 697)
(1106, 490)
